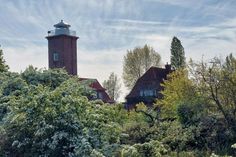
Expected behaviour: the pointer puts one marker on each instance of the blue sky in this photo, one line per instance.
(107, 28)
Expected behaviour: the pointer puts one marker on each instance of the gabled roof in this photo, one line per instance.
(106, 98)
(151, 79)
(93, 83)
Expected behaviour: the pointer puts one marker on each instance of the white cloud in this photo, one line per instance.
(20, 58)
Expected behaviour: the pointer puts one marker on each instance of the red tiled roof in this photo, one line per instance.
(93, 84)
(106, 98)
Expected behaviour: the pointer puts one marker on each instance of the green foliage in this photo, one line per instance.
(179, 89)
(49, 120)
(15, 86)
(177, 54)
(216, 82)
(129, 151)
(202, 100)
(5, 78)
(189, 114)
(214, 134)
(137, 133)
(179, 138)
(137, 62)
(47, 113)
(51, 78)
(43, 122)
(148, 149)
(3, 66)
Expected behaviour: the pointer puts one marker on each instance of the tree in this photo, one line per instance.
(113, 86)
(210, 84)
(177, 53)
(3, 66)
(52, 77)
(48, 120)
(216, 81)
(137, 62)
(202, 96)
(178, 89)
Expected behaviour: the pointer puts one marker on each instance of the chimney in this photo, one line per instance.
(168, 67)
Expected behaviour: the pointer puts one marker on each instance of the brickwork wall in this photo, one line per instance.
(66, 47)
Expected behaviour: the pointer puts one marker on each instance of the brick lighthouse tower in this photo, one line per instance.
(62, 48)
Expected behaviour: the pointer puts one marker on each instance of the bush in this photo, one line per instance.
(147, 149)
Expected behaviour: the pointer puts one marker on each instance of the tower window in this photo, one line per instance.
(55, 56)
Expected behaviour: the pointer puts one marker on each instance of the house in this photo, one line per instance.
(147, 88)
(100, 92)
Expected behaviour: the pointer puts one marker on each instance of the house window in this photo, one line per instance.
(55, 56)
(95, 96)
(141, 93)
(147, 92)
(100, 95)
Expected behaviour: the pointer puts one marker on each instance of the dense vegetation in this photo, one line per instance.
(47, 113)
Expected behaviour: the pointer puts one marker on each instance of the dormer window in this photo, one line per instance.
(55, 56)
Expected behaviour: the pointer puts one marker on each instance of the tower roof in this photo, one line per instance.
(62, 24)
(61, 28)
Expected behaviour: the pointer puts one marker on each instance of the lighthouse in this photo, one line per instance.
(62, 48)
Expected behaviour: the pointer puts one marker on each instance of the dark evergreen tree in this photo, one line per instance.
(177, 54)
(3, 66)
